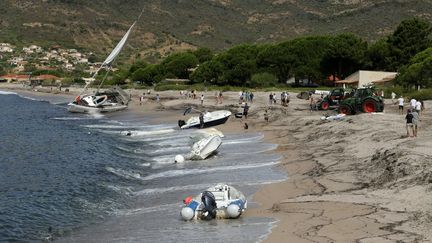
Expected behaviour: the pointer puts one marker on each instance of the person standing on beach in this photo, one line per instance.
(201, 119)
(271, 98)
(202, 99)
(312, 104)
(412, 103)
(415, 122)
(418, 107)
(245, 110)
(157, 98)
(393, 96)
(401, 104)
(251, 95)
(220, 97)
(409, 123)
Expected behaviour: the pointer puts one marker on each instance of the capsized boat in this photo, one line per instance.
(213, 118)
(217, 202)
(108, 101)
(205, 147)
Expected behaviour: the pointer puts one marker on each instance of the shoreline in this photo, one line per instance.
(358, 179)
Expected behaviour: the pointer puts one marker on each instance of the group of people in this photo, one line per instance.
(219, 97)
(414, 104)
(245, 96)
(284, 96)
(413, 115)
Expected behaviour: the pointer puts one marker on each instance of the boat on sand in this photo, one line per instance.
(217, 202)
(213, 118)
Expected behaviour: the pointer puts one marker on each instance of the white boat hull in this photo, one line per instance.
(75, 108)
(205, 147)
(213, 118)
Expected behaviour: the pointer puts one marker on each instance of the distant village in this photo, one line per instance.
(19, 64)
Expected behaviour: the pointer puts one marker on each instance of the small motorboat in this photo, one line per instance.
(213, 118)
(217, 202)
(205, 147)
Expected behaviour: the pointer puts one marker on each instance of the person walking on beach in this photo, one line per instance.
(412, 103)
(409, 123)
(251, 96)
(157, 98)
(418, 107)
(202, 99)
(393, 96)
(401, 104)
(245, 110)
(266, 116)
(271, 98)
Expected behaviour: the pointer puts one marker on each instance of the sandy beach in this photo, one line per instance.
(359, 179)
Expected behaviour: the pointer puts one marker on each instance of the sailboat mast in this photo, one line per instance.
(113, 55)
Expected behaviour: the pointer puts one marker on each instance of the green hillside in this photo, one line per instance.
(170, 25)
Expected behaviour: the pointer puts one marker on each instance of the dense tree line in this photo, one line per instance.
(407, 50)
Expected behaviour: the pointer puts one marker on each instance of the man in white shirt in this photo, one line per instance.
(413, 103)
(418, 106)
(393, 96)
(401, 104)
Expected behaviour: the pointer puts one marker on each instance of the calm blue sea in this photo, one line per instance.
(78, 178)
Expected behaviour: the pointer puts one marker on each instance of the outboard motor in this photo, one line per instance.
(181, 123)
(209, 201)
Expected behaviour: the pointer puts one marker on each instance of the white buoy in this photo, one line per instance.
(179, 158)
(187, 213)
(233, 211)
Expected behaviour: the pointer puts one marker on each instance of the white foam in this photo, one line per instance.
(175, 173)
(164, 207)
(146, 133)
(171, 189)
(244, 140)
(124, 173)
(71, 118)
(120, 189)
(199, 187)
(7, 93)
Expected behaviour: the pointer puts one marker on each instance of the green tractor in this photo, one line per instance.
(333, 99)
(362, 99)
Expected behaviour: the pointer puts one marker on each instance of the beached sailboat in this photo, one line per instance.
(114, 99)
(217, 202)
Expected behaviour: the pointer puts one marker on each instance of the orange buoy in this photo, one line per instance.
(187, 200)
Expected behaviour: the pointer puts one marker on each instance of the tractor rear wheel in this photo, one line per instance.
(345, 109)
(325, 105)
(369, 106)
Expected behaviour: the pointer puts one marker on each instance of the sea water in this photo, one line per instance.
(80, 178)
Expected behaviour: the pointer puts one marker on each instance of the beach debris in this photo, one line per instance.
(337, 117)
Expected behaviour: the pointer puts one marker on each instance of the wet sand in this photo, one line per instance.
(355, 180)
